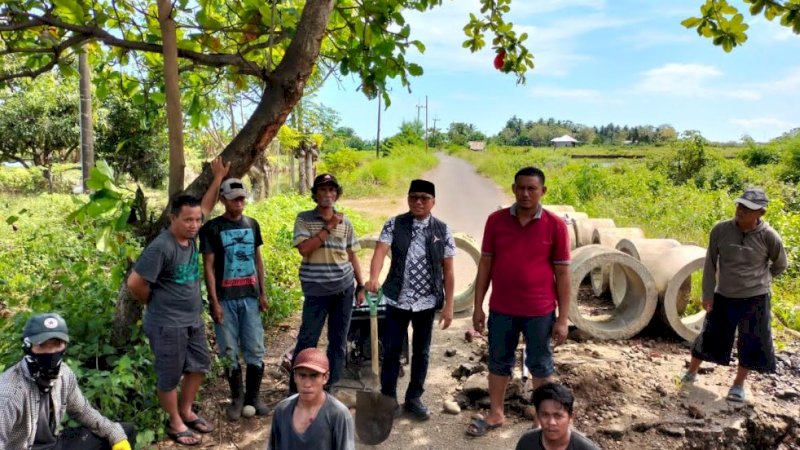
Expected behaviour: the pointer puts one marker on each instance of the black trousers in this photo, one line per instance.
(82, 438)
(397, 321)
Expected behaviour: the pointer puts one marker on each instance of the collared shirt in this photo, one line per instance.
(523, 261)
(416, 294)
(19, 407)
(327, 270)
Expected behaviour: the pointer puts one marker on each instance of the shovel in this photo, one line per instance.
(374, 410)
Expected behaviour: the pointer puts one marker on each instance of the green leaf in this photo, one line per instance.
(105, 169)
(122, 220)
(415, 69)
(692, 22)
(69, 9)
(11, 219)
(97, 179)
(158, 97)
(100, 206)
(67, 70)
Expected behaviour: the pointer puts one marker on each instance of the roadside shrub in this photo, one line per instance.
(688, 160)
(791, 162)
(754, 156)
(342, 161)
(22, 180)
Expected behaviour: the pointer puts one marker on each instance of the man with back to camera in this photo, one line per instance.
(554, 405)
(234, 273)
(37, 392)
(312, 419)
(420, 281)
(744, 255)
(326, 240)
(166, 278)
(525, 256)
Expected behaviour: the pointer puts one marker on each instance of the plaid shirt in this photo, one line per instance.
(19, 408)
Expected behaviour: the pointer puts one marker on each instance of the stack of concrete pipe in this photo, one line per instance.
(642, 275)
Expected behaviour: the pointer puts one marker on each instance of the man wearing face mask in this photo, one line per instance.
(37, 392)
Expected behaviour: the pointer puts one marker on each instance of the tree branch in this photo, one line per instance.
(88, 33)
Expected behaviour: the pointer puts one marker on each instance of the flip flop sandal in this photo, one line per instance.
(736, 394)
(193, 424)
(479, 427)
(176, 436)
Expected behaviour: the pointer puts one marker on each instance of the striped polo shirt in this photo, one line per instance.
(327, 270)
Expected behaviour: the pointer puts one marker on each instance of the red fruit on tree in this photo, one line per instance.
(500, 60)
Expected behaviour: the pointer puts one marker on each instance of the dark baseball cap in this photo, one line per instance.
(41, 327)
(753, 198)
(325, 178)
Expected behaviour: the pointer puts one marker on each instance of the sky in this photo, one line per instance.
(597, 62)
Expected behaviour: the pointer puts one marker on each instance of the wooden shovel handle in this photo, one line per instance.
(373, 335)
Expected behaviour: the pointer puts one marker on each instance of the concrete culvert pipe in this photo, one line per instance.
(644, 250)
(570, 218)
(608, 237)
(461, 300)
(636, 308)
(584, 228)
(559, 208)
(464, 300)
(672, 273)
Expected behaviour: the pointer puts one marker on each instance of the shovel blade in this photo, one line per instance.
(374, 416)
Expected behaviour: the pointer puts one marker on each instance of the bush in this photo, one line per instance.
(754, 156)
(21, 180)
(343, 160)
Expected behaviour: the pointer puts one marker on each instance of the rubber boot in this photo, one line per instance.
(234, 376)
(253, 384)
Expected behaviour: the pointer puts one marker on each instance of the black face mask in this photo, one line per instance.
(44, 367)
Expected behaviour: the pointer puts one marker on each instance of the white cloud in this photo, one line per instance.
(758, 124)
(690, 80)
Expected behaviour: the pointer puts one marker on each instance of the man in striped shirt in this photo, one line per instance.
(327, 242)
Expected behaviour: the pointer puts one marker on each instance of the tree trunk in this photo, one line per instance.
(259, 177)
(310, 158)
(126, 314)
(177, 163)
(87, 124)
(302, 171)
(283, 90)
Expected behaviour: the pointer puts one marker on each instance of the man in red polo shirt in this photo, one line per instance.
(525, 256)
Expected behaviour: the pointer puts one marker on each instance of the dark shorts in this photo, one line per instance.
(504, 331)
(177, 350)
(751, 316)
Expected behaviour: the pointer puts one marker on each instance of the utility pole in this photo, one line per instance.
(419, 106)
(426, 123)
(378, 139)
